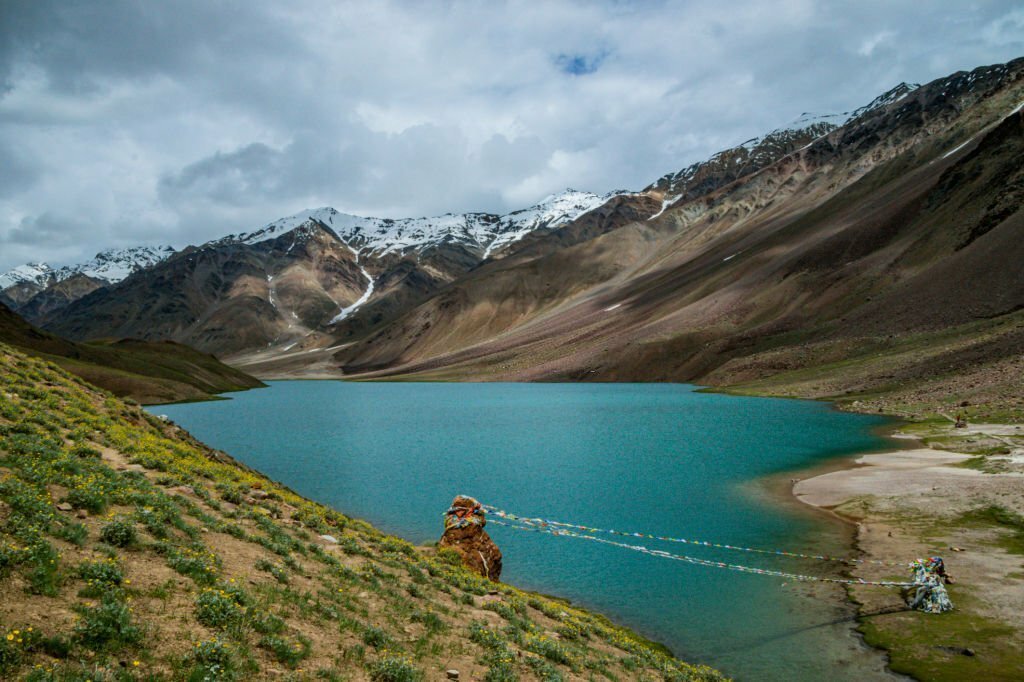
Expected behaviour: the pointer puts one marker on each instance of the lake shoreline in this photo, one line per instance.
(913, 501)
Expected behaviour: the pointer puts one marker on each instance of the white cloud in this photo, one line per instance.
(868, 47)
(181, 122)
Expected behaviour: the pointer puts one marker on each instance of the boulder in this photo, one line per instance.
(464, 532)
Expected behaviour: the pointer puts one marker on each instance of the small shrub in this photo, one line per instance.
(485, 637)
(500, 668)
(85, 452)
(44, 568)
(397, 546)
(107, 626)
(100, 577)
(290, 652)
(393, 668)
(265, 623)
(573, 629)
(90, 499)
(200, 565)
(375, 637)
(218, 608)
(279, 572)
(447, 555)
(118, 532)
(14, 644)
(232, 493)
(547, 672)
(430, 620)
(349, 546)
(548, 648)
(211, 660)
(75, 533)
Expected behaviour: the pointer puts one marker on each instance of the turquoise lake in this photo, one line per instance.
(657, 458)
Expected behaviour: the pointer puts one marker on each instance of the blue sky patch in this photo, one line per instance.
(580, 64)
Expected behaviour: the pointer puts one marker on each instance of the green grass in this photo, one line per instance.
(930, 647)
(1012, 540)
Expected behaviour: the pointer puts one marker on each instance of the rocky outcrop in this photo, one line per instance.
(464, 532)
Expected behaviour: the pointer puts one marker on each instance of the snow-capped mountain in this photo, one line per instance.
(39, 274)
(110, 266)
(381, 236)
(759, 152)
(113, 265)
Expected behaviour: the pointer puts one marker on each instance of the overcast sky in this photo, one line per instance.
(175, 122)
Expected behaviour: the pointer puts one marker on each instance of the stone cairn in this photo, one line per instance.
(464, 532)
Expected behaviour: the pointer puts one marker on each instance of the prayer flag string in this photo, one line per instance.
(702, 562)
(543, 523)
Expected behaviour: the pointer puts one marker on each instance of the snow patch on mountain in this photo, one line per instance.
(666, 202)
(349, 310)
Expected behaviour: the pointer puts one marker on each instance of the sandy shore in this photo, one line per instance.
(900, 472)
(919, 502)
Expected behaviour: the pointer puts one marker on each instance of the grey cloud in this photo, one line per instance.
(79, 43)
(47, 230)
(179, 122)
(230, 178)
(17, 172)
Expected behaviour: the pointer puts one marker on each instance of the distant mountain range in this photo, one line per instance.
(887, 239)
(60, 286)
(38, 291)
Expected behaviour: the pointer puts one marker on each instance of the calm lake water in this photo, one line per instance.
(658, 458)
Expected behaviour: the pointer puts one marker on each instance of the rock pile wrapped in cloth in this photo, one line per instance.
(464, 532)
(929, 591)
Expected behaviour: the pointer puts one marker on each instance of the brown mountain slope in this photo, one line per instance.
(148, 372)
(224, 298)
(58, 295)
(280, 294)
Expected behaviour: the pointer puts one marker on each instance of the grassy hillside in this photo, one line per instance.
(148, 372)
(130, 551)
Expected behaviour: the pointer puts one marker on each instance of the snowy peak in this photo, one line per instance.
(113, 265)
(382, 236)
(552, 212)
(305, 219)
(110, 266)
(39, 274)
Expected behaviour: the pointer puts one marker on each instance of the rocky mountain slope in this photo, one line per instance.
(876, 258)
(128, 550)
(148, 372)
